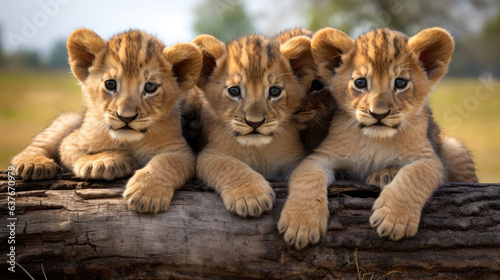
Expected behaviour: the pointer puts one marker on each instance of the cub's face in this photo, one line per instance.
(132, 81)
(383, 79)
(251, 86)
(318, 102)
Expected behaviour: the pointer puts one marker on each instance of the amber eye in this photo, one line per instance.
(317, 85)
(234, 91)
(150, 88)
(361, 83)
(110, 85)
(274, 92)
(400, 83)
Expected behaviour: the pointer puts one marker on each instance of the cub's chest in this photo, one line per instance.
(275, 160)
(366, 156)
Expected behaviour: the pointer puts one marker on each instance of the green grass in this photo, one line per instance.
(469, 109)
(30, 100)
(466, 108)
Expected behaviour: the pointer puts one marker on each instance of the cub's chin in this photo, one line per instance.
(126, 135)
(380, 132)
(254, 140)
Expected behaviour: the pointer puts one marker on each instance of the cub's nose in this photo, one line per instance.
(254, 125)
(380, 116)
(126, 119)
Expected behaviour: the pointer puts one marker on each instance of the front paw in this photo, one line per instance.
(144, 194)
(250, 199)
(382, 178)
(107, 167)
(393, 217)
(36, 167)
(303, 222)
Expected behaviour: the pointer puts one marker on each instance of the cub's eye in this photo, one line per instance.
(110, 85)
(234, 91)
(360, 83)
(400, 83)
(317, 85)
(150, 88)
(274, 91)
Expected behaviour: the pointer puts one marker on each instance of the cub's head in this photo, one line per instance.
(252, 84)
(383, 79)
(131, 82)
(318, 103)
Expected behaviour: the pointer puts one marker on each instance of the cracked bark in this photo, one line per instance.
(83, 230)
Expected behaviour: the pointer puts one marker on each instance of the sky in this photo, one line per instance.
(36, 24)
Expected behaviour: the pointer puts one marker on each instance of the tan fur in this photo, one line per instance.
(405, 137)
(238, 158)
(129, 128)
(315, 114)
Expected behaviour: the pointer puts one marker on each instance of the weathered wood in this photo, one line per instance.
(83, 230)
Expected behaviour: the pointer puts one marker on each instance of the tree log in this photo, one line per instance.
(77, 229)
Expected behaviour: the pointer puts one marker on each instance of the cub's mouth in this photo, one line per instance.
(378, 124)
(254, 138)
(127, 133)
(126, 127)
(379, 130)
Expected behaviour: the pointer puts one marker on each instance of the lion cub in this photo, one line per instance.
(252, 90)
(131, 85)
(381, 83)
(314, 116)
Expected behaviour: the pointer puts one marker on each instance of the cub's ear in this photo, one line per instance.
(298, 52)
(186, 60)
(328, 45)
(212, 49)
(83, 45)
(434, 47)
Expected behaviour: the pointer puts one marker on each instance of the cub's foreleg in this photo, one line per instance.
(398, 208)
(38, 160)
(305, 214)
(243, 190)
(152, 187)
(107, 164)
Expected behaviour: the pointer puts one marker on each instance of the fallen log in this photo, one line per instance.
(73, 229)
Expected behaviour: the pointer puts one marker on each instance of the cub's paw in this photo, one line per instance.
(36, 168)
(303, 222)
(249, 199)
(107, 166)
(393, 217)
(147, 195)
(382, 178)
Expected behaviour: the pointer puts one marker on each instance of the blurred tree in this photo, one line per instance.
(463, 18)
(357, 16)
(24, 59)
(2, 58)
(59, 55)
(490, 41)
(224, 19)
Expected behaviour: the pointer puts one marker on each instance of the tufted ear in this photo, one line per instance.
(328, 45)
(186, 60)
(298, 52)
(83, 45)
(212, 49)
(434, 47)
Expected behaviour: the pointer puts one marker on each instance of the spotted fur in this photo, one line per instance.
(382, 124)
(130, 85)
(249, 131)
